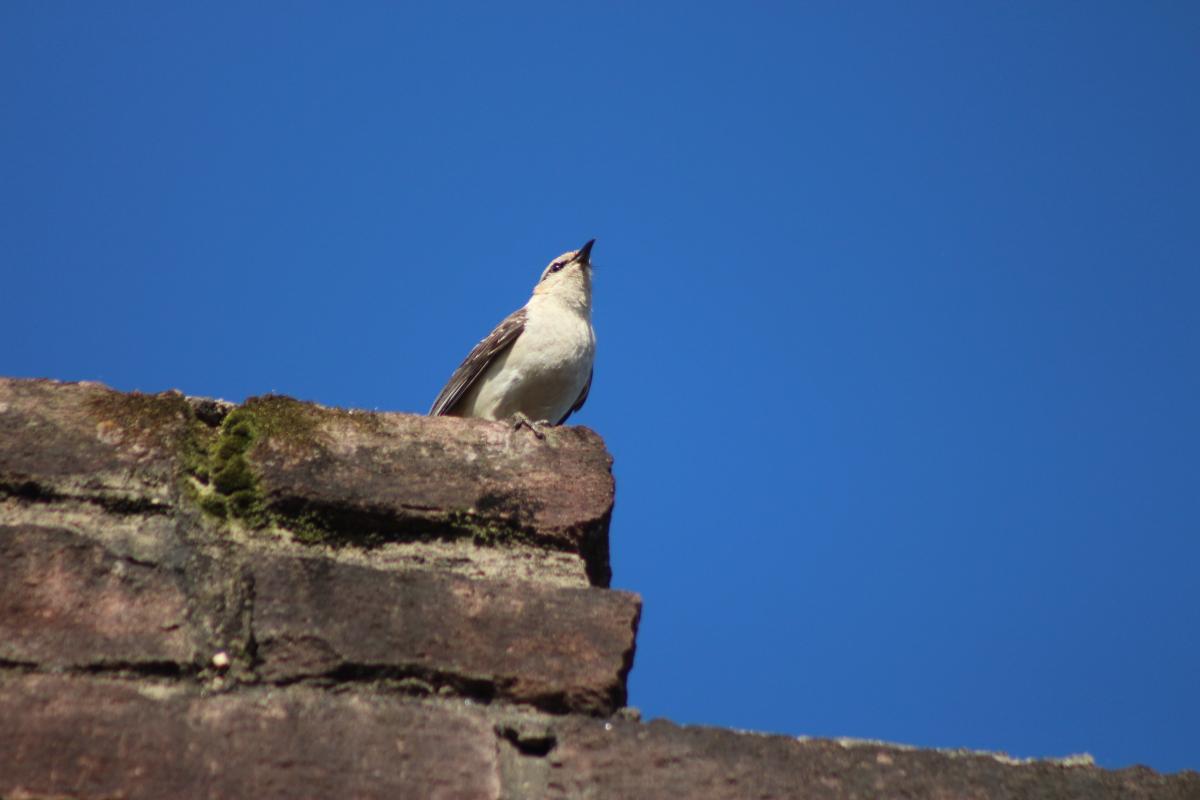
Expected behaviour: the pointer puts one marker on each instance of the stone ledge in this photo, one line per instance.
(356, 622)
(85, 441)
(557, 649)
(661, 759)
(150, 741)
(89, 738)
(275, 467)
(66, 602)
(434, 477)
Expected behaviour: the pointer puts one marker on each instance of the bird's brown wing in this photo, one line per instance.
(477, 361)
(587, 387)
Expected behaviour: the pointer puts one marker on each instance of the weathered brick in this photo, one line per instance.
(66, 601)
(561, 649)
(405, 476)
(119, 583)
(617, 759)
(661, 759)
(92, 738)
(79, 440)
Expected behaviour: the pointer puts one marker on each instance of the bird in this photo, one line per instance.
(535, 368)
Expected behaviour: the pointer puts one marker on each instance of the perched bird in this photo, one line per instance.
(536, 366)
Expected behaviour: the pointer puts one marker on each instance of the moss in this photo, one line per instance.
(233, 475)
(194, 453)
(365, 421)
(199, 470)
(287, 423)
(225, 484)
(247, 505)
(487, 533)
(215, 505)
(233, 479)
(221, 480)
(234, 443)
(164, 421)
(153, 419)
(284, 420)
(309, 529)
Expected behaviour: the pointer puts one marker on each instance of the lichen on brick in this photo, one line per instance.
(285, 421)
(151, 419)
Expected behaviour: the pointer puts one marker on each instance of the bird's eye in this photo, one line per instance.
(557, 265)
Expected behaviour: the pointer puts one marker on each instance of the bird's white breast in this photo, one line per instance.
(545, 370)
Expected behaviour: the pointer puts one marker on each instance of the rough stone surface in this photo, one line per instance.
(149, 538)
(323, 476)
(111, 563)
(616, 759)
(554, 648)
(93, 737)
(96, 738)
(86, 441)
(438, 477)
(513, 562)
(67, 602)
(275, 599)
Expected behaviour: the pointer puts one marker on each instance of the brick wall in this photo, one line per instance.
(279, 599)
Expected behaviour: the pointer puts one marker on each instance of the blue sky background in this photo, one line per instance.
(896, 306)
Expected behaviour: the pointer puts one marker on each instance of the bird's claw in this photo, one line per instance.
(519, 421)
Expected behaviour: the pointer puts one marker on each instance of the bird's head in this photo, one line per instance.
(569, 277)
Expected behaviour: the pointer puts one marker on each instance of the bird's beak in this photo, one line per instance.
(584, 254)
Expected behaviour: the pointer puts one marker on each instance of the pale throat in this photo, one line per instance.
(575, 295)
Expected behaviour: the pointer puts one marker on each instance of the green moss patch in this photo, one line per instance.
(225, 485)
(285, 421)
(235, 486)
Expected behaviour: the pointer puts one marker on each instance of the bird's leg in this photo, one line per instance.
(519, 420)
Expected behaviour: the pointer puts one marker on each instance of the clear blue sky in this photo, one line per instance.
(897, 308)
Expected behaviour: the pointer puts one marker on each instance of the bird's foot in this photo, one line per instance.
(519, 420)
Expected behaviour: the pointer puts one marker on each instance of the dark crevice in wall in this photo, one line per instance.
(533, 745)
(32, 492)
(211, 412)
(400, 680)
